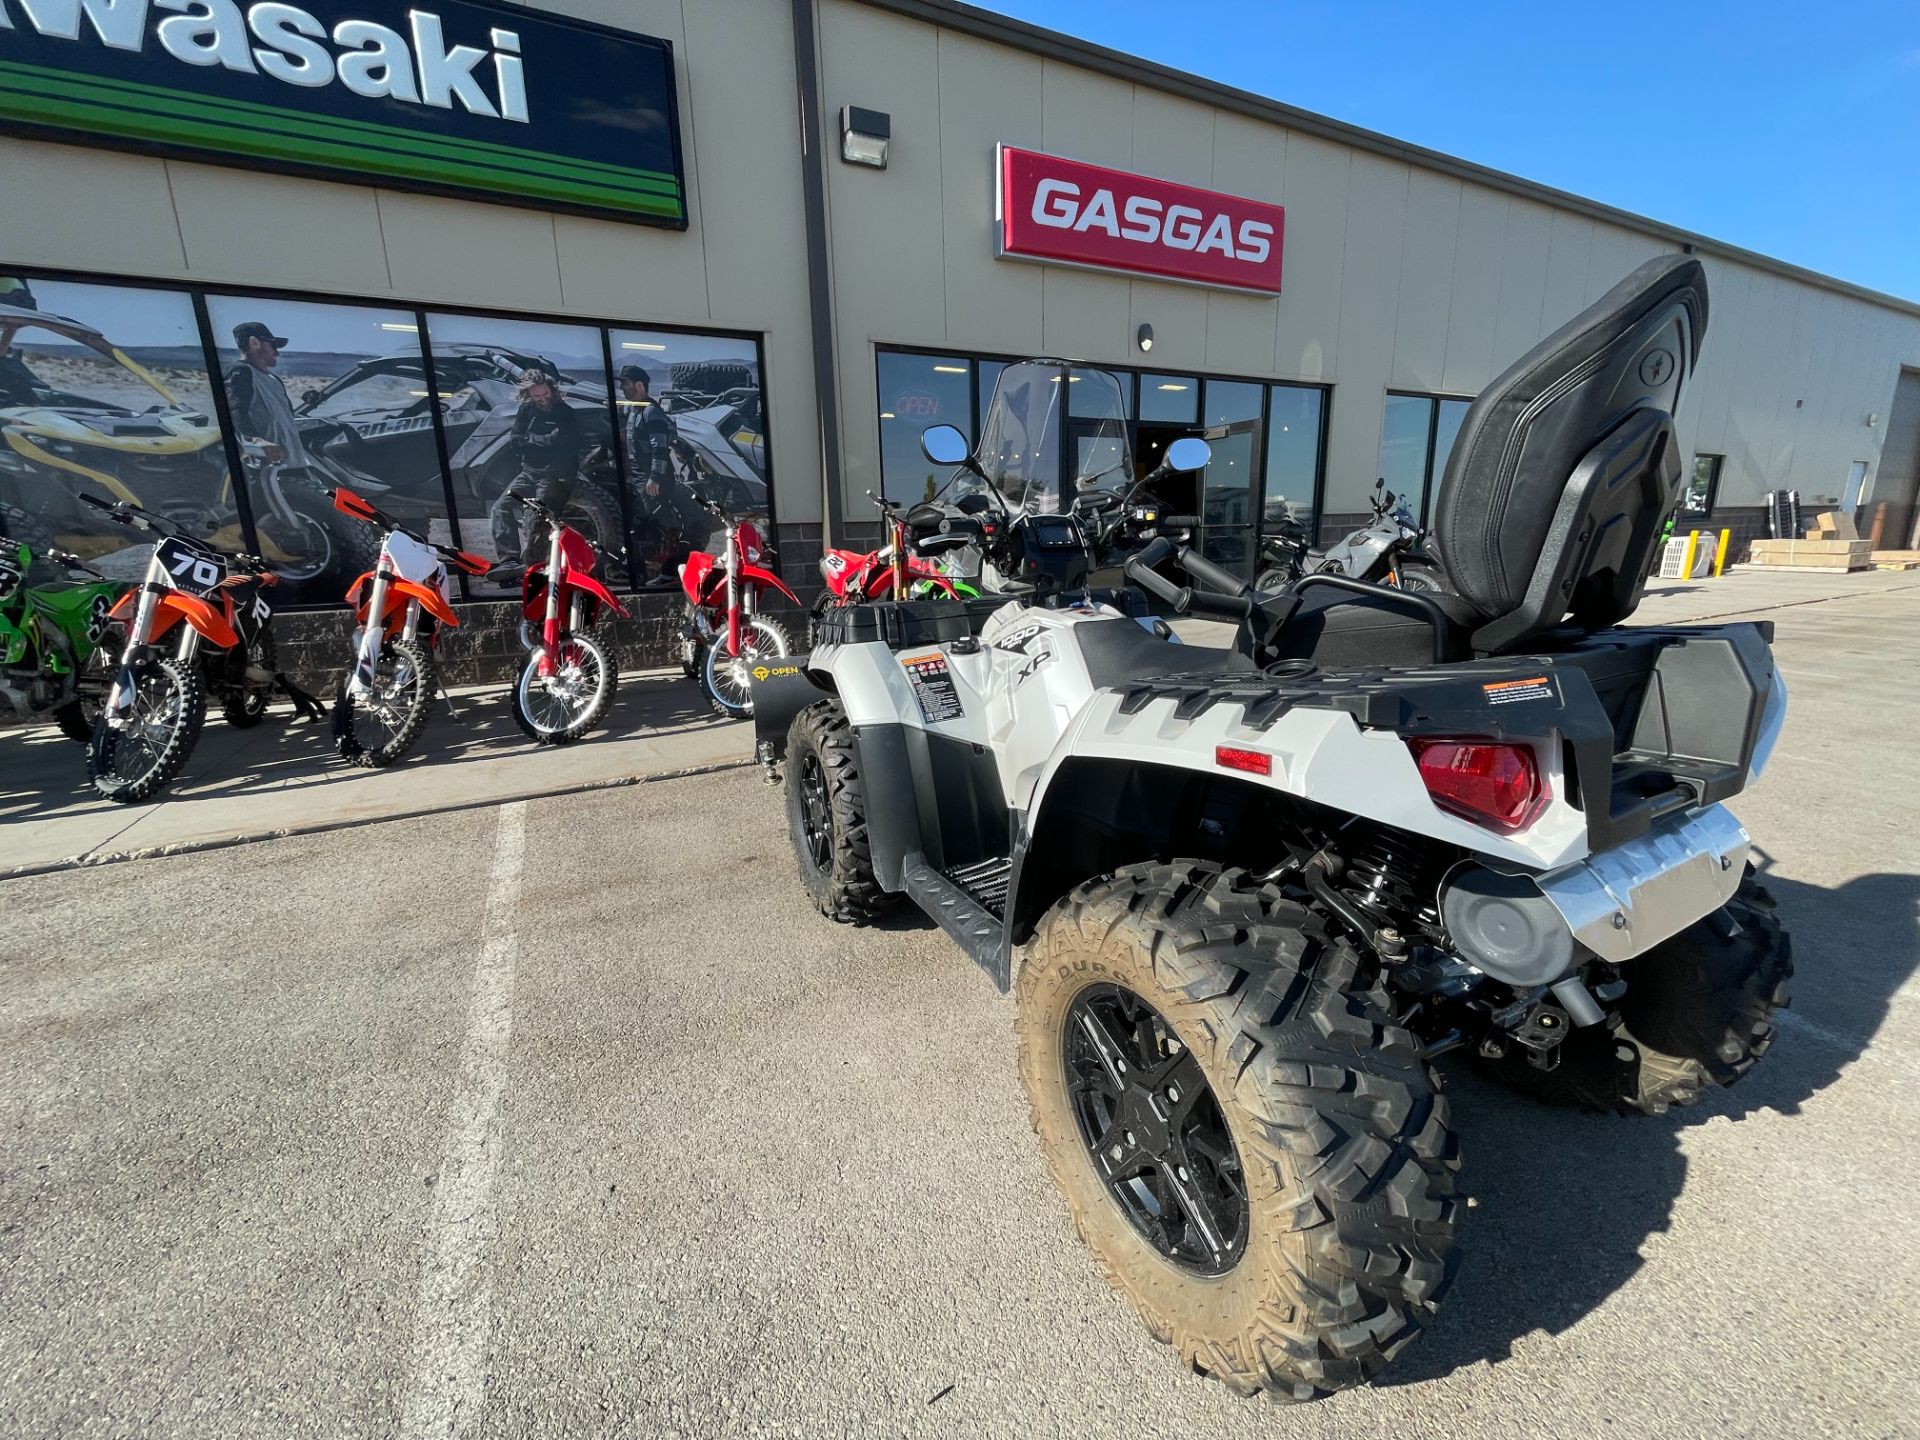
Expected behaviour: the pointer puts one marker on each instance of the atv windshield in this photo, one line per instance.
(1040, 452)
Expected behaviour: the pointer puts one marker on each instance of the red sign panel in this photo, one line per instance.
(1077, 214)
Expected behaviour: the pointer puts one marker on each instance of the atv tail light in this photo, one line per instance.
(1254, 762)
(1481, 780)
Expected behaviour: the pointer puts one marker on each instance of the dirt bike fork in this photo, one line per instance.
(548, 657)
(367, 661)
(119, 707)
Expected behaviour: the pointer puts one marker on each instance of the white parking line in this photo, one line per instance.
(454, 1315)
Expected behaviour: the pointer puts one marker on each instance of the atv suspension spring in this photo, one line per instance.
(1393, 874)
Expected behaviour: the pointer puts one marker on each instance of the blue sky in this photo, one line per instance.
(1787, 129)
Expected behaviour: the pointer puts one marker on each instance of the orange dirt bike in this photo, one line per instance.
(157, 703)
(572, 672)
(400, 605)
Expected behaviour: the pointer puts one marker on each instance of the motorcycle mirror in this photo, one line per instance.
(1189, 452)
(944, 445)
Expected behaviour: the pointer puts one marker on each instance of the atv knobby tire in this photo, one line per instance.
(1342, 1137)
(820, 749)
(1698, 1012)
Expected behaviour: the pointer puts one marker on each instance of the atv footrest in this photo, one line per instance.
(986, 881)
(970, 924)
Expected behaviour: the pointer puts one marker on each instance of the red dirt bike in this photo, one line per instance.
(572, 672)
(400, 606)
(725, 638)
(895, 571)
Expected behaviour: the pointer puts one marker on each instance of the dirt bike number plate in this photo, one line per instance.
(191, 570)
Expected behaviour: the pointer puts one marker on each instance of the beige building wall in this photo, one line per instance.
(740, 265)
(1397, 277)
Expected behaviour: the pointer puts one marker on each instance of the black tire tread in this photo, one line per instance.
(849, 893)
(1322, 1087)
(193, 706)
(73, 722)
(378, 757)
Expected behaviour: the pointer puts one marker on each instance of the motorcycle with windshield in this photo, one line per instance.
(1390, 549)
(52, 639)
(399, 607)
(725, 638)
(572, 671)
(157, 702)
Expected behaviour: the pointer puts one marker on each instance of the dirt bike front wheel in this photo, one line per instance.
(558, 709)
(377, 728)
(135, 762)
(728, 679)
(1271, 580)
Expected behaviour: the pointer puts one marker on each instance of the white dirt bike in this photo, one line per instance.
(1245, 897)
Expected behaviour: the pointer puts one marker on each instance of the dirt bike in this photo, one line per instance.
(1245, 897)
(896, 570)
(399, 607)
(53, 639)
(157, 703)
(572, 673)
(725, 638)
(1390, 549)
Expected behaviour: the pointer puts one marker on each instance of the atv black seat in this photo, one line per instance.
(1566, 466)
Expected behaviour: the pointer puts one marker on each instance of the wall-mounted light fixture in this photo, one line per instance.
(864, 135)
(1873, 418)
(1145, 337)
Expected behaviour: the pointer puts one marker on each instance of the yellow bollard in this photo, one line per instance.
(1686, 562)
(1720, 553)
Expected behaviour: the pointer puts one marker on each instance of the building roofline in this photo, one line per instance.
(1053, 45)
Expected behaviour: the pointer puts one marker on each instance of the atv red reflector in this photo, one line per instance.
(1481, 781)
(1254, 762)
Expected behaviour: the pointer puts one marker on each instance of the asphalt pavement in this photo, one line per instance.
(568, 1116)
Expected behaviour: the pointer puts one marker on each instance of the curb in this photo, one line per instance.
(323, 827)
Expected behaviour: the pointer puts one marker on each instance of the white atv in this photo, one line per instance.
(1245, 897)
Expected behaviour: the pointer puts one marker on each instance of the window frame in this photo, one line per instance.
(1434, 399)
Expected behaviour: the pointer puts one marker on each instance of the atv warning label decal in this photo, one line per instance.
(933, 687)
(1510, 692)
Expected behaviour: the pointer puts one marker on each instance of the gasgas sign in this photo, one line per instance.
(1071, 213)
(463, 96)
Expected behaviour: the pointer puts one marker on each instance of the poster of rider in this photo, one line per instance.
(693, 427)
(527, 411)
(104, 392)
(324, 396)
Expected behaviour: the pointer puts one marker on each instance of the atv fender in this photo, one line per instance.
(781, 690)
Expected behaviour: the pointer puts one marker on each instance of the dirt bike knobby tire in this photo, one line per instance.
(426, 686)
(1698, 1012)
(1342, 1134)
(844, 889)
(185, 681)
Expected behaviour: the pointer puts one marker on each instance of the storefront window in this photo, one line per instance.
(1697, 499)
(1293, 457)
(917, 391)
(1231, 417)
(1416, 437)
(355, 382)
(692, 426)
(526, 404)
(1446, 430)
(1169, 399)
(104, 392)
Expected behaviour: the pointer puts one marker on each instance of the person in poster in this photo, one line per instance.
(546, 441)
(666, 512)
(262, 410)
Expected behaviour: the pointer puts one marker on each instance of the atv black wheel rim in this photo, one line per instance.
(1154, 1131)
(816, 813)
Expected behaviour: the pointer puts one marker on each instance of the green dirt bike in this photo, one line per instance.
(55, 650)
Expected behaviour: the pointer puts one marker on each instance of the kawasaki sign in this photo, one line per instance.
(465, 97)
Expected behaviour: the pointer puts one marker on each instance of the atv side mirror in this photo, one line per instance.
(944, 445)
(1187, 453)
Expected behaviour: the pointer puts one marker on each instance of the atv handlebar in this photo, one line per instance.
(1234, 604)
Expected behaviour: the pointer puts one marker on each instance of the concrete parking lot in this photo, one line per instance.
(567, 1115)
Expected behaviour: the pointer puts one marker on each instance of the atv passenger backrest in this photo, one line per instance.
(1566, 466)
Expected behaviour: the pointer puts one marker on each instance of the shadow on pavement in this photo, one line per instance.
(1565, 1201)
